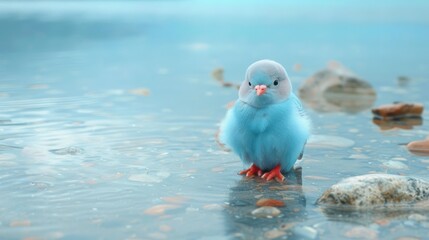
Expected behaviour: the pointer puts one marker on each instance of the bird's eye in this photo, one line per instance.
(276, 82)
(250, 84)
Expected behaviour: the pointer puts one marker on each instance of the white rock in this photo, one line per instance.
(395, 165)
(374, 190)
(266, 212)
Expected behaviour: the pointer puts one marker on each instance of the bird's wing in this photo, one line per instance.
(298, 105)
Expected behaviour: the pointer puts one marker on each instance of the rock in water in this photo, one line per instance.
(337, 89)
(375, 190)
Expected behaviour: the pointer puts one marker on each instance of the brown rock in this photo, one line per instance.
(397, 123)
(218, 75)
(419, 147)
(160, 209)
(269, 202)
(398, 109)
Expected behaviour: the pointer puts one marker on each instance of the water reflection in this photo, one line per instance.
(398, 123)
(241, 224)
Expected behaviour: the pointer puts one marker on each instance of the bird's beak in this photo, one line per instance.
(260, 89)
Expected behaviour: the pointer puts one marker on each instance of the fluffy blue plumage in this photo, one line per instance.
(266, 126)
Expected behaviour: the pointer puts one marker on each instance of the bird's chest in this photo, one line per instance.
(256, 123)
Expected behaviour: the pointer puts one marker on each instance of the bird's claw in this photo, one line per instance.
(252, 171)
(275, 173)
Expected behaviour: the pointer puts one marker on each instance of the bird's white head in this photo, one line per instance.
(266, 82)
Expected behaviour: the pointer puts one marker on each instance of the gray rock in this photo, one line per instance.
(337, 89)
(305, 232)
(375, 190)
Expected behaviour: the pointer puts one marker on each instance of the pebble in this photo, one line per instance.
(398, 109)
(305, 232)
(160, 209)
(361, 232)
(275, 233)
(140, 91)
(269, 202)
(372, 190)
(421, 146)
(417, 217)
(67, 151)
(266, 212)
(395, 165)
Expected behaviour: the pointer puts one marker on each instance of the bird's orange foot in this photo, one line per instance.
(275, 173)
(251, 171)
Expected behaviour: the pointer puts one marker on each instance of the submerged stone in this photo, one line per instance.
(419, 147)
(337, 89)
(398, 109)
(68, 151)
(266, 212)
(375, 190)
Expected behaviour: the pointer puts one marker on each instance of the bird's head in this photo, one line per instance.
(266, 82)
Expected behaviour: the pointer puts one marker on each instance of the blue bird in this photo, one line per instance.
(267, 126)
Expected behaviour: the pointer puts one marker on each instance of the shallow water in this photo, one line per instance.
(108, 116)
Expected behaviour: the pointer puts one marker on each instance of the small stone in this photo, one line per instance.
(160, 209)
(269, 202)
(361, 232)
(275, 233)
(417, 217)
(67, 151)
(266, 212)
(305, 232)
(404, 122)
(287, 226)
(218, 75)
(382, 222)
(140, 91)
(395, 165)
(398, 109)
(421, 146)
